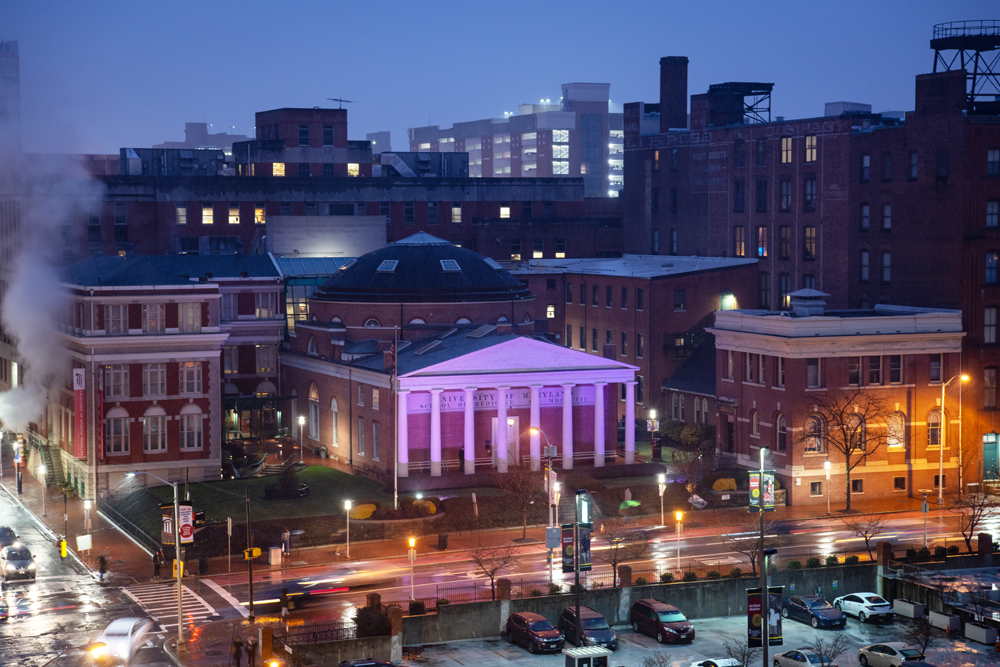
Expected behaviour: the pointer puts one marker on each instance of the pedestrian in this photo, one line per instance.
(238, 650)
(251, 649)
(286, 542)
(157, 562)
(102, 565)
(284, 603)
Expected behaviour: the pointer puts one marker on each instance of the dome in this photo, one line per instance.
(422, 268)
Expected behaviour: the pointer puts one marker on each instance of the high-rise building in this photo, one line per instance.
(10, 98)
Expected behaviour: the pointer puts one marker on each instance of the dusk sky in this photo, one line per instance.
(97, 76)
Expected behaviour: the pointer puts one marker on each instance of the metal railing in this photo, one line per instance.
(318, 633)
(966, 28)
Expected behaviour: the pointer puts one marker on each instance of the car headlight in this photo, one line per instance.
(671, 631)
(11, 567)
(31, 567)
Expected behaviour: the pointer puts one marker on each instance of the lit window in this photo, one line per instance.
(505, 211)
(258, 214)
(353, 169)
(755, 424)
(560, 136)
(207, 214)
(786, 150)
(265, 305)
(234, 214)
(809, 242)
(375, 398)
(896, 430)
(182, 214)
(266, 360)
(190, 377)
(116, 320)
(278, 169)
(154, 379)
(189, 317)
(810, 148)
(192, 429)
(456, 214)
(153, 321)
(934, 428)
(560, 167)
(550, 311)
(814, 435)
(762, 241)
(739, 241)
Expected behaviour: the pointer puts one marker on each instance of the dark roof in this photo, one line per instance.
(696, 374)
(146, 270)
(451, 346)
(419, 275)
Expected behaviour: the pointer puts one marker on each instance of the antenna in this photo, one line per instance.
(340, 102)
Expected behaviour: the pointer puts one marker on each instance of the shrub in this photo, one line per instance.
(851, 560)
(735, 573)
(597, 584)
(423, 508)
(417, 607)
(724, 484)
(555, 589)
(924, 553)
(713, 574)
(831, 561)
(911, 554)
(793, 565)
(812, 561)
(690, 576)
(953, 550)
(577, 588)
(363, 511)
(641, 581)
(442, 602)
(666, 577)
(535, 593)
(372, 622)
(940, 552)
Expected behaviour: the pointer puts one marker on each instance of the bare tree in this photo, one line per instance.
(829, 646)
(741, 651)
(853, 427)
(624, 544)
(972, 509)
(692, 465)
(920, 634)
(658, 659)
(523, 488)
(493, 560)
(744, 538)
(867, 527)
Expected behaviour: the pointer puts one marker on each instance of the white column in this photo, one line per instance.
(501, 443)
(436, 432)
(567, 437)
(599, 423)
(470, 432)
(536, 437)
(630, 422)
(403, 436)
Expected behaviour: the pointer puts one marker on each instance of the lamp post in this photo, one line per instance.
(347, 506)
(944, 430)
(549, 483)
(826, 466)
(679, 515)
(923, 508)
(42, 470)
(86, 515)
(177, 555)
(652, 436)
(661, 480)
(413, 557)
(302, 438)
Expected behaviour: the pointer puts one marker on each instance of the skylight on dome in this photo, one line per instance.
(450, 265)
(493, 264)
(388, 265)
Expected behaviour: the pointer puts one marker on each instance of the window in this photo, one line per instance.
(673, 241)
(913, 165)
(353, 169)
(624, 351)
(327, 135)
(785, 195)
(182, 214)
(934, 428)
(751, 365)
(594, 296)
(810, 148)
(813, 379)
(886, 266)
(814, 435)
(607, 336)
(993, 162)
(942, 164)
(857, 486)
(265, 305)
(738, 196)
(285, 208)
(505, 210)
(762, 241)
(683, 410)
(583, 294)
(673, 200)
(154, 379)
(433, 216)
(786, 150)
(608, 300)
(515, 250)
(992, 213)
(755, 424)
(560, 248)
(943, 479)
(408, 213)
(639, 349)
(761, 201)
(781, 434)
(230, 359)
(808, 281)
(116, 431)
(809, 242)
(654, 203)
(266, 361)
(376, 441)
(864, 266)
(674, 154)
(550, 209)
(809, 195)
(189, 373)
(375, 398)
(593, 340)
(875, 370)
(992, 259)
(153, 321)
(191, 427)
(866, 168)
(886, 217)
(656, 241)
(278, 169)
(854, 371)
(697, 411)
(739, 153)
(116, 381)
(116, 320)
(456, 213)
(624, 298)
(899, 484)
(569, 292)
(761, 152)
(895, 369)
(815, 488)
(550, 311)
(639, 300)
(680, 299)
(730, 366)
(785, 288)
(228, 307)
(886, 167)
(990, 387)
(311, 208)
(361, 436)
(656, 160)
(990, 325)
(779, 374)
(739, 241)
(538, 249)
(673, 407)
(154, 429)
(189, 317)
(303, 135)
(865, 217)
(784, 242)
(234, 214)
(639, 384)
(764, 290)
(583, 338)
(935, 368)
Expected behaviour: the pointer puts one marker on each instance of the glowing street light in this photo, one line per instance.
(679, 515)
(347, 506)
(662, 481)
(302, 439)
(413, 557)
(944, 430)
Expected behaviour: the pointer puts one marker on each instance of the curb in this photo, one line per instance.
(171, 653)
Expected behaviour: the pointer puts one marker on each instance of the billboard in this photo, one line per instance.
(757, 613)
(762, 491)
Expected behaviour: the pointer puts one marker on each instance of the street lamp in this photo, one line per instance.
(662, 481)
(302, 438)
(86, 515)
(413, 557)
(923, 508)
(549, 484)
(42, 469)
(652, 436)
(826, 466)
(178, 565)
(679, 515)
(347, 506)
(944, 429)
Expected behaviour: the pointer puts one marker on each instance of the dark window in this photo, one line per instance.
(526, 209)
(935, 368)
(328, 135)
(738, 197)
(569, 335)
(739, 241)
(680, 299)
(515, 250)
(857, 486)
(328, 170)
(654, 203)
(624, 350)
(550, 283)
(785, 286)
(866, 168)
(538, 249)
(874, 370)
(886, 266)
(673, 200)
(384, 209)
(624, 298)
(607, 336)
(761, 201)
(285, 208)
(854, 371)
(608, 300)
(656, 241)
(784, 242)
(990, 387)
(593, 340)
(863, 276)
(764, 290)
(992, 213)
(992, 261)
(560, 248)
(993, 162)
(639, 298)
(865, 217)
(761, 152)
(895, 369)
(739, 153)
(408, 213)
(886, 167)
(569, 292)
(594, 296)
(809, 195)
(785, 195)
(886, 217)
(550, 209)
(639, 349)
(583, 338)
(304, 169)
(899, 484)
(583, 294)
(913, 165)
(809, 242)
(432, 213)
(303, 135)
(942, 170)
(674, 155)
(312, 210)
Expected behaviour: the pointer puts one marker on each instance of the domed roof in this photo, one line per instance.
(422, 268)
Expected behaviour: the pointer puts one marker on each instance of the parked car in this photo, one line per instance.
(718, 662)
(596, 631)
(533, 632)
(865, 606)
(3, 610)
(661, 620)
(7, 536)
(889, 654)
(123, 637)
(813, 610)
(803, 657)
(16, 562)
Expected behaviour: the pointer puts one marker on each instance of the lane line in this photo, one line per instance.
(227, 596)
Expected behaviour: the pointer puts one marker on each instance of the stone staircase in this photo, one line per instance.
(54, 475)
(567, 511)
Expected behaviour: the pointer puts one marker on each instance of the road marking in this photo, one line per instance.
(227, 596)
(160, 603)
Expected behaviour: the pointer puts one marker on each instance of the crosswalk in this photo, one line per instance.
(159, 601)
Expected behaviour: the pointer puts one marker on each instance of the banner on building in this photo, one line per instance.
(99, 415)
(186, 516)
(758, 613)
(762, 491)
(79, 413)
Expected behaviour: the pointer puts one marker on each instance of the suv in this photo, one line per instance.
(596, 631)
(661, 620)
(534, 632)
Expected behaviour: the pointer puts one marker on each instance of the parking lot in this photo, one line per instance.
(711, 635)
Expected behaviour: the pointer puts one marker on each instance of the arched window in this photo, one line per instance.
(313, 411)
(673, 407)
(372, 322)
(265, 388)
(896, 430)
(335, 441)
(683, 413)
(934, 428)
(116, 431)
(417, 320)
(755, 423)
(780, 434)
(463, 320)
(704, 410)
(814, 435)
(527, 318)
(312, 348)
(192, 427)
(154, 429)
(502, 320)
(697, 411)
(856, 431)
(336, 320)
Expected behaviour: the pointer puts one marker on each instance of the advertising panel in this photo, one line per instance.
(756, 615)
(762, 491)
(585, 529)
(186, 515)
(567, 548)
(755, 631)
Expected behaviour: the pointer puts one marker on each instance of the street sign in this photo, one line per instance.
(552, 537)
(652, 425)
(83, 543)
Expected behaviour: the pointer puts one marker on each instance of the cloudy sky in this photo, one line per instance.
(100, 75)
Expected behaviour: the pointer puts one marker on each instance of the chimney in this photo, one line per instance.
(808, 302)
(386, 360)
(673, 92)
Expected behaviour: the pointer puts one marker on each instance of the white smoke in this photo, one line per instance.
(51, 193)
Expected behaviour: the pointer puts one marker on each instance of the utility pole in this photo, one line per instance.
(249, 554)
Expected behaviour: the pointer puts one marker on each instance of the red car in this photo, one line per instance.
(661, 620)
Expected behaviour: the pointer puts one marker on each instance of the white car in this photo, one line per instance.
(890, 654)
(124, 637)
(803, 657)
(865, 606)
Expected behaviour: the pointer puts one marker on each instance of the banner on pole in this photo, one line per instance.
(567, 548)
(758, 614)
(762, 491)
(585, 530)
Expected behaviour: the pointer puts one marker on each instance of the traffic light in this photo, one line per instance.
(679, 516)
(413, 542)
(250, 554)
